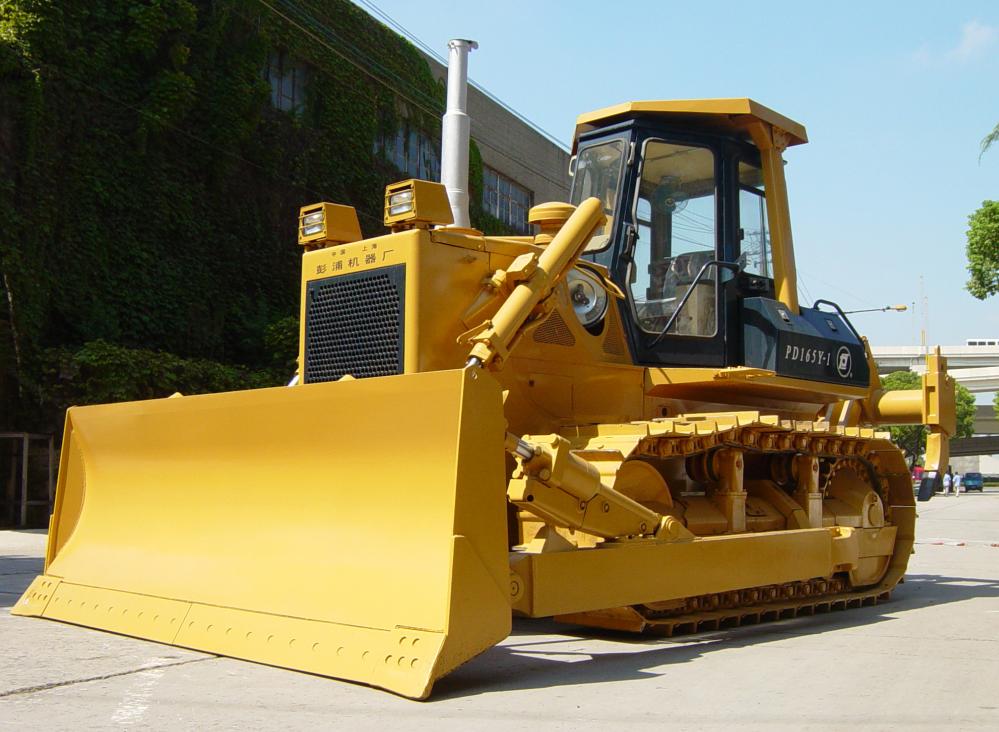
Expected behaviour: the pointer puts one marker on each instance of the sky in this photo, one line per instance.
(896, 98)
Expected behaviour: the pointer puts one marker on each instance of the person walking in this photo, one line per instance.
(948, 481)
(957, 484)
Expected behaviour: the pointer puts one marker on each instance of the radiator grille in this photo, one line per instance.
(354, 325)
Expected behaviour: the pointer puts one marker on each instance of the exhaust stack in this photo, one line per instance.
(456, 130)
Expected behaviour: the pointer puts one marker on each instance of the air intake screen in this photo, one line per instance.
(554, 330)
(354, 325)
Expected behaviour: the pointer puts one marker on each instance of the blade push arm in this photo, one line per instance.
(565, 490)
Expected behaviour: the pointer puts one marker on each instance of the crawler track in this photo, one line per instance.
(769, 441)
(645, 618)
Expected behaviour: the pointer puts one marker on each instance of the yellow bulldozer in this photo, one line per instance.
(625, 421)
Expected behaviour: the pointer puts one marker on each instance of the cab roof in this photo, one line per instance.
(731, 116)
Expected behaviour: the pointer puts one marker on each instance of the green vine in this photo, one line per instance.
(480, 218)
(101, 372)
(149, 189)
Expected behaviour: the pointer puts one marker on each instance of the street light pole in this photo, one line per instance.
(894, 308)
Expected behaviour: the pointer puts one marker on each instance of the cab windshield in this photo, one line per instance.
(598, 174)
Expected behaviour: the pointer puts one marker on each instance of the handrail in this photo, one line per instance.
(815, 306)
(683, 301)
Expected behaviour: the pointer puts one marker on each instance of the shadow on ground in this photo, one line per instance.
(529, 665)
(16, 573)
(25, 531)
(523, 663)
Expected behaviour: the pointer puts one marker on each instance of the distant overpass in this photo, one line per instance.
(978, 445)
(898, 358)
(986, 421)
(974, 380)
(975, 367)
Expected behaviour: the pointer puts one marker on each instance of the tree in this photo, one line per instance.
(983, 250)
(912, 438)
(965, 411)
(983, 241)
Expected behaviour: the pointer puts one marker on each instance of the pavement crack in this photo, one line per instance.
(72, 682)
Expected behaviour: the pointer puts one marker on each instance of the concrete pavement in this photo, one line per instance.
(926, 660)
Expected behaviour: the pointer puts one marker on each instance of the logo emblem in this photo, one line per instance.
(844, 362)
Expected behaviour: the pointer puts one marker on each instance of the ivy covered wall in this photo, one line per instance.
(149, 190)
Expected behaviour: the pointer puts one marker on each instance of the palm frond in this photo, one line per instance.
(989, 139)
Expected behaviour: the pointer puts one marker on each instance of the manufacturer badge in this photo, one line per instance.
(844, 362)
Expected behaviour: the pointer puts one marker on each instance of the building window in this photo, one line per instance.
(506, 200)
(411, 150)
(288, 79)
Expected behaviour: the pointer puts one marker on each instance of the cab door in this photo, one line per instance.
(675, 292)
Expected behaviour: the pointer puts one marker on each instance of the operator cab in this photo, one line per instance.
(689, 240)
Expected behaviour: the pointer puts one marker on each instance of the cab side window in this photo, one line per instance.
(754, 236)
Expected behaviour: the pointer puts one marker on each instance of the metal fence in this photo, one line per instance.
(19, 483)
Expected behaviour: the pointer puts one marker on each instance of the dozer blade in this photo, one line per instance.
(354, 529)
